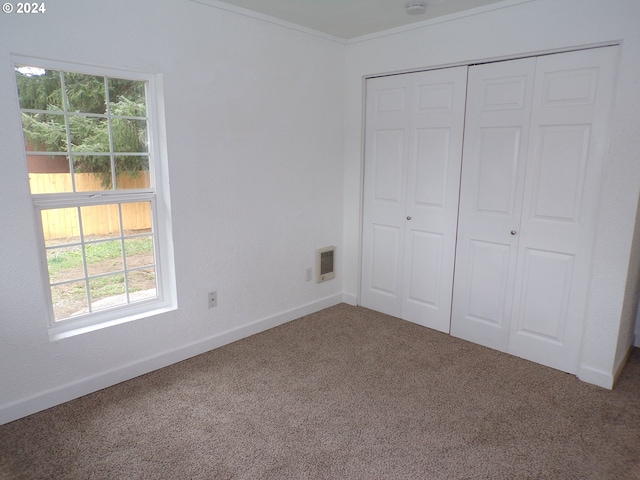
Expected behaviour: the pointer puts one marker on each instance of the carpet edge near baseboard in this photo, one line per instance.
(84, 386)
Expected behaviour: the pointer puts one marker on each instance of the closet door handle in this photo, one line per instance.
(513, 232)
(408, 218)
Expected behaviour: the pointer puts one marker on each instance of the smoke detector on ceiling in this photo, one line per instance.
(416, 8)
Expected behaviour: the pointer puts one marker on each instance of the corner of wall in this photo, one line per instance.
(350, 299)
(603, 378)
(596, 377)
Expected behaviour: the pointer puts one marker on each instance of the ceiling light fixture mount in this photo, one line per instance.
(416, 7)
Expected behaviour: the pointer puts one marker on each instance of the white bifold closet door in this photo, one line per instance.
(413, 148)
(534, 147)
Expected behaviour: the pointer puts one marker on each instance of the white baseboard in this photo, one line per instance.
(84, 386)
(602, 378)
(595, 376)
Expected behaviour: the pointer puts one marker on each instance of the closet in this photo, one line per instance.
(505, 189)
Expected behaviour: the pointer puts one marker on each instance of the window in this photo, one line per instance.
(93, 157)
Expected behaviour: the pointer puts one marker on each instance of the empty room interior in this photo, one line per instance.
(464, 169)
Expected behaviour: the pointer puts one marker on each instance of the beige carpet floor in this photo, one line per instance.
(346, 393)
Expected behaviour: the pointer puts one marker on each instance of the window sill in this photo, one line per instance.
(60, 332)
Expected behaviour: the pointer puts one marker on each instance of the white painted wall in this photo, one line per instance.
(518, 29)
(254, 122)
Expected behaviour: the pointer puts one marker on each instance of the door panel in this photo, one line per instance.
(546, 282)
(425, 273)
(569, 126)
(413, 146)
(428, 174)
(532, 166)
(488, 265)
(433, 96)
(493, 168)
(386, 252)
(433, 183)
(560, 165)
(386, 146)
(505, 92)
(571, 86)
(498, 161)
(389, 100)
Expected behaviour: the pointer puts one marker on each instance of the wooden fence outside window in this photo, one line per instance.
(96, 220)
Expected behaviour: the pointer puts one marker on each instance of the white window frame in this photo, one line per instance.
(157, 195)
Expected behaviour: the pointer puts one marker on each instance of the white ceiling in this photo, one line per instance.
(353, 18)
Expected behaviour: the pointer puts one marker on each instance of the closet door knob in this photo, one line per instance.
(408, 218)
(513, 232)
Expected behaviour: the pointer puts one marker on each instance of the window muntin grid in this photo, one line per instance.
(90, 272)
(106, 138)
(129, 180)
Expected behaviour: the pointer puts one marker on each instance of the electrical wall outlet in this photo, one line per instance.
(213, 299)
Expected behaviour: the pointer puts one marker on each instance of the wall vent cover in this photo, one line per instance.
(325, 264)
